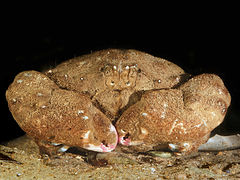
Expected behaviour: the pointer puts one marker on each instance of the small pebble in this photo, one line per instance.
(153, 170)
(79, 157)
(181, 176)
(227, 171)
(160, 154)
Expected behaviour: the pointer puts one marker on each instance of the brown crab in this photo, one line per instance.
(149, 100)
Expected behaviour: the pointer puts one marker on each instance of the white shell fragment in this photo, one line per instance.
(220, 143)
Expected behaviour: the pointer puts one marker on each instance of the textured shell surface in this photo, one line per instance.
(117, 96)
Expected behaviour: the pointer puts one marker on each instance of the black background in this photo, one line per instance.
(198, 44)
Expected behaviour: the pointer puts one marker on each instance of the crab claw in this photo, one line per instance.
(126, 141)
(107, 144)
(109, 147)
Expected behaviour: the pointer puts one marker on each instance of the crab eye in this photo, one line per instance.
(112, 83)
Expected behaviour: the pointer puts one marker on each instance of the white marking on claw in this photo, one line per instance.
(143, 130)
(55, 144)
(39, 94)
(184, 129)
(85, 117)
(94, 148)
(86, 135)
(163, 115)
(165, 105)
(177, 79)
(213, 114)
(198, 125)
(80, 112)
(175, 124)
(220, 91)
(204, 122)
(112, 128)
(144, 114)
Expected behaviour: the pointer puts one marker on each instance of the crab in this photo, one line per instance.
(117, 96)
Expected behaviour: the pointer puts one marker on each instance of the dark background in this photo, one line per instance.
(200, 45)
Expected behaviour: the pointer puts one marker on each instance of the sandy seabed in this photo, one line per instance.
(20, 159)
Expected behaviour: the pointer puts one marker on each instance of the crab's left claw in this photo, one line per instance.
(105, 143)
